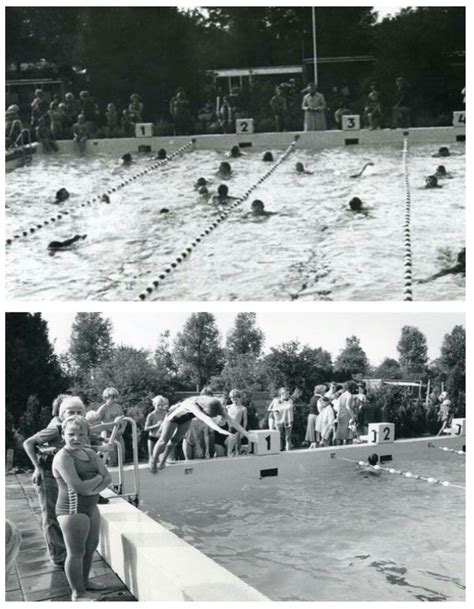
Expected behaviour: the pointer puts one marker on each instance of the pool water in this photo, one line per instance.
(335, 535)
(313, 248)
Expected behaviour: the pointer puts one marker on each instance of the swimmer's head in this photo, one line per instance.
(201, 182)
(235, 151)
(160, 403)
(110, 393)
(431, 182)
(223, 190)
(213, 408)
(164, 210)
(462, 256)
(355, 204)
(206, 390)
(299, 167)
(203, 190)
(443, 151)
(127, 158)
(225, 167)
(268, 157)
(76, 421)
(62, 194)
(441, 170)
(13, 109)
(373, 459)
(71, 405)
(161, 154)
(257, 206)
(105, 198)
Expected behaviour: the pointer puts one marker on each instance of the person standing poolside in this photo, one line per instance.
(80, 132)
(237, 411)
(314, 106)
(326, 421)
(108, 414)
(278, 104)
(44, 135)
(345, 416)
(112, 119)
(282, 408)
(177, 422)
(373, 108)
(43, 479)
(196, 441)
(135, 108)
(445, 411)
(313, 412)
(39, 107)
(80, 475)
(401, 107)
(154, 422)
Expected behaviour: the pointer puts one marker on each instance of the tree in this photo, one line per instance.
(388, 369)
(197, 351)
(453, 365)
(413, 352)
(297, 367)
(352, 358)
(244, 338)
(91, 342)
(31, 367)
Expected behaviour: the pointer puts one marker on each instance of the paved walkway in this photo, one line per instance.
(35, 578)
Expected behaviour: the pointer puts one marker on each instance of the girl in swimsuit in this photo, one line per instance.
(238, 412)
(177, 422)
(154, 422)
(80, 475)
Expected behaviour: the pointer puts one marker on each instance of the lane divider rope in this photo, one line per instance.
(100, 197)
(392, 470)
(207, 231)
(407, 261)
(447, 449)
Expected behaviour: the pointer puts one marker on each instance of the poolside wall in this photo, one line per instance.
(156, 565)
(312, 140)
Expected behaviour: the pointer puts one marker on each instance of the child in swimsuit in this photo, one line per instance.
(154, 422)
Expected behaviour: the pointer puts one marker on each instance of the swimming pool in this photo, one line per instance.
(311, 249)
(313, 528)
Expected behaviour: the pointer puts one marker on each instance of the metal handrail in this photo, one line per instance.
(134, 496)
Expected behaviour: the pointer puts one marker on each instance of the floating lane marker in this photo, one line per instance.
(399, 472)
(447, 449)
(100, 197)
(407, 261)
(156, 283)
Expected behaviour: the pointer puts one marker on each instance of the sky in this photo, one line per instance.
(378, 332)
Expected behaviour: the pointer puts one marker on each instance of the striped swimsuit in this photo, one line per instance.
(69, 502)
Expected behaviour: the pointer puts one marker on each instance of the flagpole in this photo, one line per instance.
(315, 52)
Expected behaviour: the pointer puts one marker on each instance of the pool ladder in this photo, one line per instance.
(118, 488)
(25, 145)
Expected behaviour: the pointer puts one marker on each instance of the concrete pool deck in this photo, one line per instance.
(34, 577)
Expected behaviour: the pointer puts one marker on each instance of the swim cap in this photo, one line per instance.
(355, 203)
(268, 157)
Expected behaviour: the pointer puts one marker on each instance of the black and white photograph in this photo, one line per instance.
(235, 153)
(235, 456)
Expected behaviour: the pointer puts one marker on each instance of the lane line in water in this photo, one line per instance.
(104, 197)
(180, 258)
(407, 294)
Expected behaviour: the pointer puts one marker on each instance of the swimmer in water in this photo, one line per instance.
(61, 195)
(164, 210)
(459, 267)
(300, 169)
(257, 208)
(201, 182)
(432, 182)
(105, 198)
(54, 246)
(441, 172)
(225, 170)
(355, 204)
(357, 175)
(235, 152)
(127, 159)
(442, 152)
(268, 157)
(372, 468)
(223, 196)
(204, 193)
(161, 154)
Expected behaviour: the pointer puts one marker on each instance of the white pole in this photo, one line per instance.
(315, 52)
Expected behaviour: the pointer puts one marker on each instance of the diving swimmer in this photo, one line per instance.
(54, 246)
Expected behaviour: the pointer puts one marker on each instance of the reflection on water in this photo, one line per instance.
(335, 536)
(313, 248)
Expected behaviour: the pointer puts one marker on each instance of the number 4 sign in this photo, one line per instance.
(459, 119)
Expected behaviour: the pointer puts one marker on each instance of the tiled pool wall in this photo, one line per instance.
(313, 140)
(157, 565)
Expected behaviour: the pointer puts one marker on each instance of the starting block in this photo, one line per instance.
(144, 130)
(458, 427)
(381, 433)
(268, 441)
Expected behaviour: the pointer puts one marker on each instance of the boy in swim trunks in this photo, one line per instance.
(154, 421)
